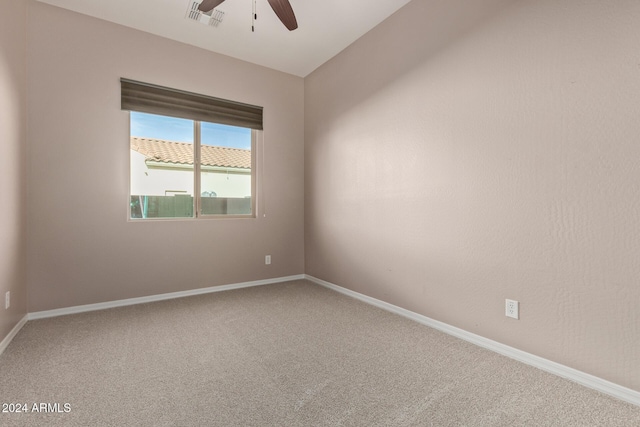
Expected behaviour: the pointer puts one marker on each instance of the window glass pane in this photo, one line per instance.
(225, 170)
(161, 150)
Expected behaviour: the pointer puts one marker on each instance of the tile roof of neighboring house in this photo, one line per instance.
(161, 151)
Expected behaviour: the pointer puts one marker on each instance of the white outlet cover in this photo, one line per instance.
(512, 308)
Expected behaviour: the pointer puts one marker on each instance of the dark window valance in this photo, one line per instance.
(149, 98)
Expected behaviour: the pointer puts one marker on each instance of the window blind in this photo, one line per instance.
(153, 99)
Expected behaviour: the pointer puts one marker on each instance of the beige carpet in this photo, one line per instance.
(291, 354)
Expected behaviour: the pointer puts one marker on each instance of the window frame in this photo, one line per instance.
(197, 178)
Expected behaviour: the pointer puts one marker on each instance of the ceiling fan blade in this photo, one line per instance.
(283, 9)
(208, 5)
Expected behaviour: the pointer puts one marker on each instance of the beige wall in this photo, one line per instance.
(81, 249)
(12, 163)
(450, 165)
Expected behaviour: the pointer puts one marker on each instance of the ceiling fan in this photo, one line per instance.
(282, 8)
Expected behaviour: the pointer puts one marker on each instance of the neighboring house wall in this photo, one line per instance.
(12, 163)
(449, 168)
(227, 184)
(163, 180)
(82, 249)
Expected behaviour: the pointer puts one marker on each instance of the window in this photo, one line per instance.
(184, 167)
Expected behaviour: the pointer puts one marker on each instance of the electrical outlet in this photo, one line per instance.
(511, 308)
(7, 300)
(267, 259)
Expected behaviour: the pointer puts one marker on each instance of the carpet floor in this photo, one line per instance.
(289, 354)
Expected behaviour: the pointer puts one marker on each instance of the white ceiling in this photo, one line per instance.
(325, 27)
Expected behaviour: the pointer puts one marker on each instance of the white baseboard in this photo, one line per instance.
(5, 342)
(579, 377)
(153, 298)
(582, 378)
